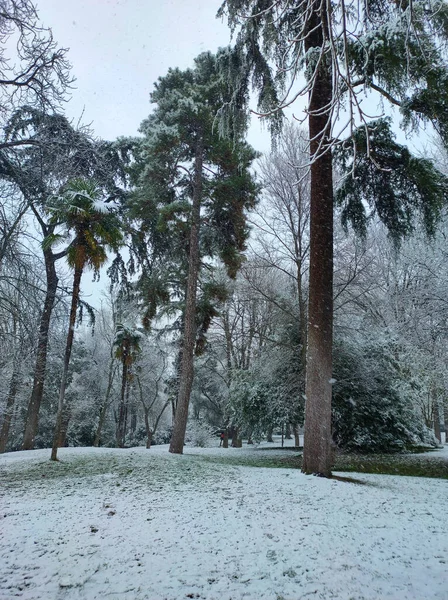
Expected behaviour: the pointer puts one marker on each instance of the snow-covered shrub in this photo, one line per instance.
(369, 413)
(199, 434)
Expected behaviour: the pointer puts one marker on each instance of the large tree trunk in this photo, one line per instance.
(317, 451)
(189, 337)
(32, 417)
(68, 351)
(9, 409)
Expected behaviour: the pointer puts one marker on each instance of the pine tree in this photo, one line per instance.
(194, 190)
(345, 51)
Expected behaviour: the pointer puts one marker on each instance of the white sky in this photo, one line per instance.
(119, 48)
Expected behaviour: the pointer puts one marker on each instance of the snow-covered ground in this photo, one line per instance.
(137, 524)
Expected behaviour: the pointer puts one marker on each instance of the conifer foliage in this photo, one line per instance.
(335, 54)
(194, 188)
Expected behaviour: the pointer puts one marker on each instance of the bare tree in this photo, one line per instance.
(39, 72)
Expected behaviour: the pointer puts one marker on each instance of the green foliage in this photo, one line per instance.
(185, 119)
(369, 413)
(386, 177)
(249, 403)
(89, 225)
(127, 344)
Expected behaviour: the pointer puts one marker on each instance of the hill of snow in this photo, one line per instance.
(137, 524)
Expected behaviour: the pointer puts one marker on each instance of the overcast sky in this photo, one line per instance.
(119, 48)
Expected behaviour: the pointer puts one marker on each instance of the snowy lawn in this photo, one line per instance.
(135, 524)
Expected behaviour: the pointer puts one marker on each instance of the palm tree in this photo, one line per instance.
(93, 230)
(127, 342)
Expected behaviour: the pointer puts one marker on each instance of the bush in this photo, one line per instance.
(199, 434)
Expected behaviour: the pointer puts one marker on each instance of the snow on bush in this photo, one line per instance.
(199, 434)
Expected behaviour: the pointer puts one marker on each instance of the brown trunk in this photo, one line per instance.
(68, 351)
(269, 433)
(9, 409)
(317, 451)
(189, 335)
(66, 416)
(288, 431)
(225, 441)
(303, 320)
(32, 417)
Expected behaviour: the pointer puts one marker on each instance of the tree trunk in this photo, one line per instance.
(133, 425)
(66, 416)
(9, 409)
(225, 441)
(436, 417)
(288, 431)
(68, 350)
(148, 429)
(234, 437)
(189, 337)
(32, 417)
(105, 405)
(269, 433)
(295, 429)
(122, 415)
(445, 419)
(317, 451)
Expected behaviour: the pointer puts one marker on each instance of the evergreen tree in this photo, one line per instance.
(127, 348)
(396, 50)
(95, 229)
(194, 190)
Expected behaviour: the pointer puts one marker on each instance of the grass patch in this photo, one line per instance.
(397, 464)
(412, 465)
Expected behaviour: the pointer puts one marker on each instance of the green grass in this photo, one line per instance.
(413, 465)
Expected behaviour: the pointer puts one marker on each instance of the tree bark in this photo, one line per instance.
(105, 405)
(317, 451)
(436, 417)
(68, 350)
(32, 417)
(189, 337)
(9, 409)
(148, 429)
(295, 429)
(122, 415)
(66, 416)
(445, 419)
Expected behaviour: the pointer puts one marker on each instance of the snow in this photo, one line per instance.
(136, 524)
